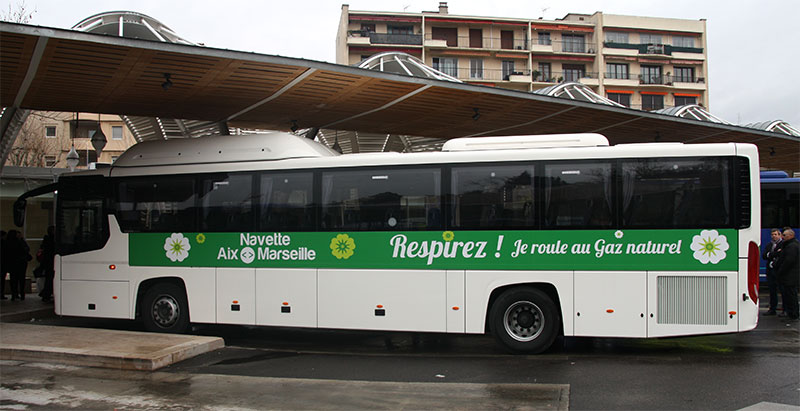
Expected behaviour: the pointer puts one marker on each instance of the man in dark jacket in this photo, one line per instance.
(787, 270)
(769, 253)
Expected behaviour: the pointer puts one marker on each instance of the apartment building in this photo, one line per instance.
(641, 62)
(46, 138)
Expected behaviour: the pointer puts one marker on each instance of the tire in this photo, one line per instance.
(524, 320)
(165, 309)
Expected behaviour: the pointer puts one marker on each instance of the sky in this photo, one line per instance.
(752, 45)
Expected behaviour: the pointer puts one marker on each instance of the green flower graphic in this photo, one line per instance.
(448, 236)
(201, 238)
(342, 246)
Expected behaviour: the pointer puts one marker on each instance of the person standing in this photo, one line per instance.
(3, 263)
(48, 260)
(787, 270)
(18, 255)
(769, 253)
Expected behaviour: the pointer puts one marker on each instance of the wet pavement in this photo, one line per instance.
(271, 368)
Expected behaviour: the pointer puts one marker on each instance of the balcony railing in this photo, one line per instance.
(660, 49)
(493, 43)
(563, 46)
(669, 79)
(385, 38)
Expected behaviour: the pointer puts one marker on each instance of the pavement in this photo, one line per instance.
(45, 366)
(87, 347)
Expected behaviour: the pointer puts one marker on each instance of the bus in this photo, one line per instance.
(524, 237)
(780, 206)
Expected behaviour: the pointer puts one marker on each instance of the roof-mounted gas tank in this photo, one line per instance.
(222, 149)
(525, 142)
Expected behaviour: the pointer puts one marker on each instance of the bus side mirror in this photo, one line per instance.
(19, 212)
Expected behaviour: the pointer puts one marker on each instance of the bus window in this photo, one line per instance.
(286, 202)
(676, 193)
(577, 195)
(81, 220)
(488, 197)
(158, 204)
(382, 199)
(226, 202)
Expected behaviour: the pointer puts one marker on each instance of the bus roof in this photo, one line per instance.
(768, 177)
(217, 149)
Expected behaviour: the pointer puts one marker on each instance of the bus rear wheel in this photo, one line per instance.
(524, 320)
(165, 309)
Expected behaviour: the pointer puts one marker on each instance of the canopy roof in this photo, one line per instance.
(63, 70)
(576, 91)
(776, 126)
(692, 111)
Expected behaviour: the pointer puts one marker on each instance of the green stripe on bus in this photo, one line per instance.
(673, 250)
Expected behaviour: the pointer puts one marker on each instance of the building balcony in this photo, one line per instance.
(560, 46)
(554, 77)
(695, 83)
(488, 43)
(653, 49)
(617, 79)
(365, 37)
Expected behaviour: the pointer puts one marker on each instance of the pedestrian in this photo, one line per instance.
(769, 253)
(48, 250)
(3, 264)
(18, 255)
(787, 270)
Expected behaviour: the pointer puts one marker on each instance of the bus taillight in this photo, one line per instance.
(753, 257)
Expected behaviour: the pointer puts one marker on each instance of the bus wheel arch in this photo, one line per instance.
(163, 306)
(525, 318)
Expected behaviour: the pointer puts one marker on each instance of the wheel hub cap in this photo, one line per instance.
(524, 321)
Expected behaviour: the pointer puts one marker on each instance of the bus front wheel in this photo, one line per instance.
(524, 320)
(165, 309)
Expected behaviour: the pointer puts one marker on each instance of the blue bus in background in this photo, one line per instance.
(780, 206)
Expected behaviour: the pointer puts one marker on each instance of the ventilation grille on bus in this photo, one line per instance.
(692, 300)
(743, 191)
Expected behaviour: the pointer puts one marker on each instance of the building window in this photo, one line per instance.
(545, 72)
(684, 74)
(368, 28)
(573, 72)
(50, 131)
(400, 29)
(476, 68)
(617, 71)
(651, 75)
(50, 161)
(476, 38)
(616, 37)
(116, 132)
(685, 100)
(652, 102)
(86, 156)
(113, 159)
(682, 41)
(544, 38)
(621, 98)
(649, 38)
(573, 43)
(508, 68)
(446, 65)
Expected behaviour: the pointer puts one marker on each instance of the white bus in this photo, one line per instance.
(525, 237)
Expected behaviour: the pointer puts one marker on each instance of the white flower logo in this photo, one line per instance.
(709, 246)
(177, 247)
(619, 234)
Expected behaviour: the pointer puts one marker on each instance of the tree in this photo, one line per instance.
(31, 146)
(18, 14)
